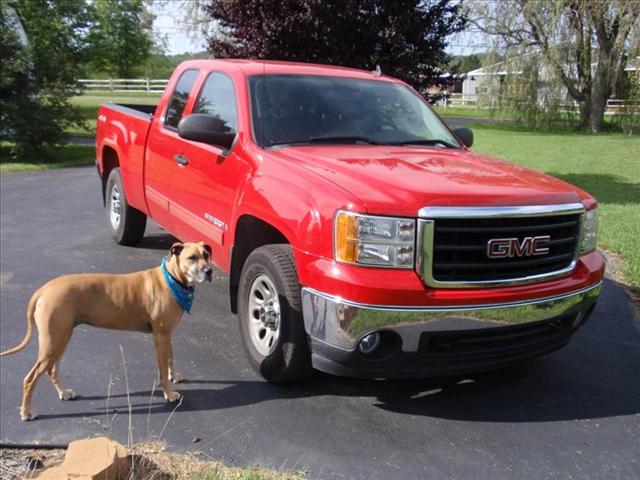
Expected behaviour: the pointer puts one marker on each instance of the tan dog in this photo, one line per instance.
(140, 301)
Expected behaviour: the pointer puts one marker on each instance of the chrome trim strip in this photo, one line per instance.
(341, 323)
(498, 212)
(426, 227)
(453, 308)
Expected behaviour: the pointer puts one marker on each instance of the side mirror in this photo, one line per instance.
(204, 128)
(465, 135)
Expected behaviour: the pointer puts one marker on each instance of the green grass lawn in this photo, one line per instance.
(468, 111)
(611, 123)
(58, 157)
(605, 165)
(89, 104)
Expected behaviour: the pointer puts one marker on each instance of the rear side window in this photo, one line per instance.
(218, 98)
(179, 98)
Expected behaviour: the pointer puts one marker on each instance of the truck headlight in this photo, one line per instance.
(589, 231)
(375, 241)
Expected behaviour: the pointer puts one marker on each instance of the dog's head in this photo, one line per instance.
(193, 260)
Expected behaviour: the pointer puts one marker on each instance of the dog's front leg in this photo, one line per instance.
(163, 352)
(174, 376)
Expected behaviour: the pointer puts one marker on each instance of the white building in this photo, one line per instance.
(478, 81)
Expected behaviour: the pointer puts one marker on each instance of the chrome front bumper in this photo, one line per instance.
(341, 324)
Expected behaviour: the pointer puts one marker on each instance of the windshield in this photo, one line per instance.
(309, 109)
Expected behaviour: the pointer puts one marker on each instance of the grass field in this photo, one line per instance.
(606, 165)
(58, 157)
(611, 123)
(89, 104)
(465, 112)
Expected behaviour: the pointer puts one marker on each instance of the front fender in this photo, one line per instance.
(298, 203)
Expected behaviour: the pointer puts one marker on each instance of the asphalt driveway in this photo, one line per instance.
(572, 414)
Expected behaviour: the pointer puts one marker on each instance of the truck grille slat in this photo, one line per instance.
(531, 228)
(460, 247)
(525, 263)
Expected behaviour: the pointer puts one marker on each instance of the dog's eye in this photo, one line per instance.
(206, 256)
(193, 258)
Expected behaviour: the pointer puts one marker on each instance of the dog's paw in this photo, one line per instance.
(67, 395)
(172, 396)
(28, 416)
(176, 377)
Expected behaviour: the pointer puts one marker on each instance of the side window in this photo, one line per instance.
(218, 98)
(179, 97)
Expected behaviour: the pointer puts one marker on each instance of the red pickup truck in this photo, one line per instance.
(361, 235)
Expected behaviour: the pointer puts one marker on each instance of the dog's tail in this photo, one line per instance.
(31, 320)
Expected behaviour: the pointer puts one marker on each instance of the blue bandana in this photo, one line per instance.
(182, 294)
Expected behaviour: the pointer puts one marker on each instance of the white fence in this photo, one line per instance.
(124, 85)
(614, 106)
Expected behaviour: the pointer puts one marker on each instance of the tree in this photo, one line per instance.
(121, 37)
(467, 63)
(406, 38)
(584, 42)
(41, 46)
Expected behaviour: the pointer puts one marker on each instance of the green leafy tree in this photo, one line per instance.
(41, 47)
(466, 63)
(121, 37)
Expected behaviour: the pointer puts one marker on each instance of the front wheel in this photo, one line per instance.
(271, 323)
(127, 223)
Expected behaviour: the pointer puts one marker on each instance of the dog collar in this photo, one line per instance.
(182, 294)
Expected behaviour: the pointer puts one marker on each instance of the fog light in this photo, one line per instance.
(369, 343)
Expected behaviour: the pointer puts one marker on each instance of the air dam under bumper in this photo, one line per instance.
(432, 341)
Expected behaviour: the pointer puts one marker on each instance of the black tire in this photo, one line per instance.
(290, 359)
(129, 227)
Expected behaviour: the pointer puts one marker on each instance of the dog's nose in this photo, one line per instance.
(208, 272)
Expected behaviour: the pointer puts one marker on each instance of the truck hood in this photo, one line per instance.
(401, 180)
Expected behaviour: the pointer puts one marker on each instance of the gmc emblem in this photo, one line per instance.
(512, 247)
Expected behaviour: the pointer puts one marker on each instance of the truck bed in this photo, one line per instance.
(123, 129)
(133, 109)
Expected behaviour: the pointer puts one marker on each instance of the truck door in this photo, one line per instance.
(203, 188)
(162, 148)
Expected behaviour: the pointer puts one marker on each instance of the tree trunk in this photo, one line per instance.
(600, 91)
(598, 105)
(585, 113)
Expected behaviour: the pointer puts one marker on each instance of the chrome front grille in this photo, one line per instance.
(454, 243)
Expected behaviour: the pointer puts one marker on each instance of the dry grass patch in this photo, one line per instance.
(149, 461)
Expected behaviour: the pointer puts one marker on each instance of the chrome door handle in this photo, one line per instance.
(181, 159)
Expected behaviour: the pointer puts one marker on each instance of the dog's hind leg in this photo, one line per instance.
(29, 383)
(52, 342)
(63, 393)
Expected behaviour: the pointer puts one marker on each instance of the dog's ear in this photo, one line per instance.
(176, 248)
(207, 247)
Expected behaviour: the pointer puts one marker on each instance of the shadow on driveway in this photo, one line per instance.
(588, 379)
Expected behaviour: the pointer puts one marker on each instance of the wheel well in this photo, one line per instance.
(109, 162)
(251, 233)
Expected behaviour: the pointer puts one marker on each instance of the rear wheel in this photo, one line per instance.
(269, 307)
(127, 223)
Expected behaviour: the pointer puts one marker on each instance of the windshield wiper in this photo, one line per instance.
(434, 141)
(327, 139)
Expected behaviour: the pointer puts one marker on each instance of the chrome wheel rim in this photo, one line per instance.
(115, 211)
(264, 315)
